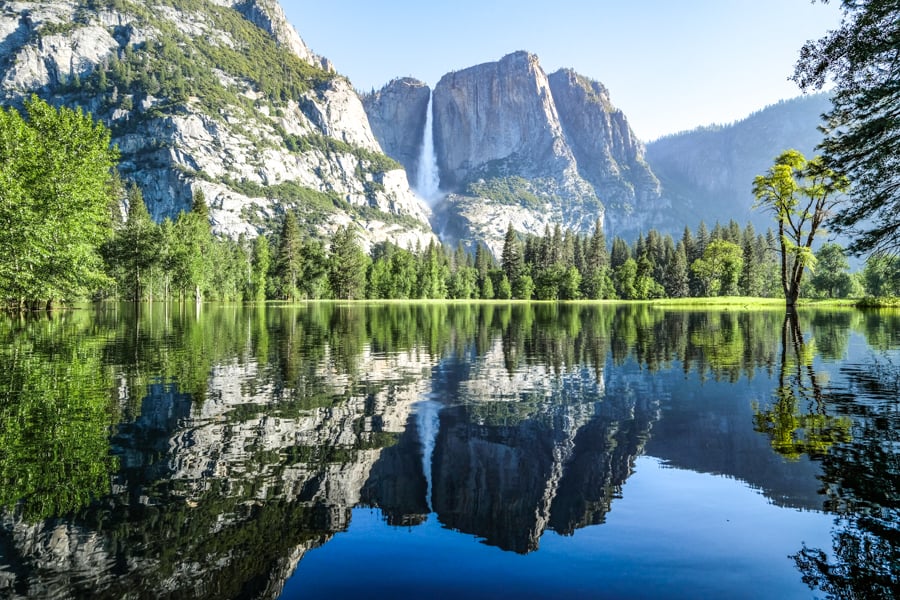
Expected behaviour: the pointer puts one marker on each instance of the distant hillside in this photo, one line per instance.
(707, 174)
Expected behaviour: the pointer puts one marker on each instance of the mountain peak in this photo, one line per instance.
(269, 16)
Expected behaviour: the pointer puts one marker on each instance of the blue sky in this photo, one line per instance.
(670, 65)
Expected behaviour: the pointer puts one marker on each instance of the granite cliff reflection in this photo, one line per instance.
(220, 448)
(544, 448)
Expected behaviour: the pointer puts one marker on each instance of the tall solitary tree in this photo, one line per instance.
(862, 130)
(513, 259)
(289, 261)
(800, 194)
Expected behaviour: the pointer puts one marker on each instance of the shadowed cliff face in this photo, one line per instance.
(560, 471)
(397, 115)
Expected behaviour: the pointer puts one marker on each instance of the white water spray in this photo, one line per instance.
(428, 178)
(428, 424)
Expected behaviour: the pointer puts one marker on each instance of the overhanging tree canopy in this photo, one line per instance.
(862, 130)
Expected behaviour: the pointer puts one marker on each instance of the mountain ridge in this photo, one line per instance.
(221, 97)
(224, 97)
(708, 171)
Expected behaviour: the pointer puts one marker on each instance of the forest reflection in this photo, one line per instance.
(158, 436)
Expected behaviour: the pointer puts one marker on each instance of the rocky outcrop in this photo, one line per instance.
(269, 16)
(396, 114)
(190, 95)
(497, 117)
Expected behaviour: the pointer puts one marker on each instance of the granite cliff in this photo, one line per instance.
(220, 96)
(397, 116)
(514, 145)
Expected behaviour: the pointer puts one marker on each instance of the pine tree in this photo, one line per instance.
(432, 280)
(619, 254)
(677, 281)
(703, 239)
(136, 246)
(513, 259)
(289, 261)
(314, 284)
(483, 265)
(347, 265)
(751, 277)
(260, 262)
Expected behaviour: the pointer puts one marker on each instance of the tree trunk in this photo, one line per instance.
(137, 286)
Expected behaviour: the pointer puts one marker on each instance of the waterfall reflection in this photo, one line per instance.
(232, 442)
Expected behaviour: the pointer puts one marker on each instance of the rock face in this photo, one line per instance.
(515, 146)
(497, 117)
(609, 155)
(397, 115)
(198, 100)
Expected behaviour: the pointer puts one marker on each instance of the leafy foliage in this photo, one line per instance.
(57, 187)
(801, 195)
(863, 127)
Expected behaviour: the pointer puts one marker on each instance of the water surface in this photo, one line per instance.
(528, 451)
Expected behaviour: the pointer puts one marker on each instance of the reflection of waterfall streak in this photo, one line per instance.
(428, 424)
(428, 179)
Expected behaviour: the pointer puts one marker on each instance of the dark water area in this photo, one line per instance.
(429, 450)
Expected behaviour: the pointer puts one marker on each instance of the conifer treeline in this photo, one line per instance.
(182, 259)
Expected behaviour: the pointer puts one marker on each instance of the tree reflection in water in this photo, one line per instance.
(858, 446)
(231, 442)
(799, 421)
(861, 480)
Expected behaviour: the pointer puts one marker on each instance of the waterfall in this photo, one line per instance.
(428, 424)
(428, 178)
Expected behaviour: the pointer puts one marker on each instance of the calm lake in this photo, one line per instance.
(449, 451)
